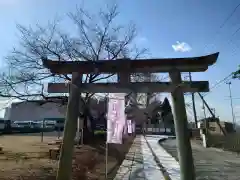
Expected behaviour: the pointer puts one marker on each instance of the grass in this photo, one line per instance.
(99, 132)
(25, 157)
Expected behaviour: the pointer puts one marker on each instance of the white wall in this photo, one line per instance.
(32, 110)
(27, 111)
(7, 113)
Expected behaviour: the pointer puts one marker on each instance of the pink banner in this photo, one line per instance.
(116, 118)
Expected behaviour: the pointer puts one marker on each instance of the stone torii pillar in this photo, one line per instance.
(181, 129)
(177, 87)
(65, 164)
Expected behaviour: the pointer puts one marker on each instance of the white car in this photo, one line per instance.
(49, 124)
(25, 124)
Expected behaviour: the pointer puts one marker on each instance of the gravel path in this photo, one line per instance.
(210, 163)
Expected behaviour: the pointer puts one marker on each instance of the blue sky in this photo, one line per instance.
(160, 24)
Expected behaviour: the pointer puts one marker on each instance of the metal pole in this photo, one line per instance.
(205, 137)
(106, 160)
(214, 111)
(213, 114)
(43, 126)
(231, 102)
(193, 102)
(78, 131)
(182, 133)
(82, 135)
(204, 111)
(58, 129)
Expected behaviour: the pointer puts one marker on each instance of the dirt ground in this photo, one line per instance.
(230, 142)
(25, 157)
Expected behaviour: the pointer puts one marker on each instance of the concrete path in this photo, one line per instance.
(151, 169)
(210, 163)
(139, 163)
(170, 165)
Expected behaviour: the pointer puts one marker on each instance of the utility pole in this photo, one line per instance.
(204, 110)
(231, 102)
(214, 111)
(211, 112)
(193, 102)
(205, 120)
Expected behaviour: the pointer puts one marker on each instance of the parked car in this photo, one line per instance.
(5, 126)
(2, 125)
(49, 124)
(25, 126)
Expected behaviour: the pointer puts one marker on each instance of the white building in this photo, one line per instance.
(33, 110)
(39, 110)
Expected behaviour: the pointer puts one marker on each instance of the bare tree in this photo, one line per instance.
(97, 37)
(145, 98)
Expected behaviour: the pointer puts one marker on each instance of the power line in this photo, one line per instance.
(230, 15)
(219, 83)
(234, 98)
(225, 22)
(216, 85)
(220, 27)
(217, 32)
(213, 87)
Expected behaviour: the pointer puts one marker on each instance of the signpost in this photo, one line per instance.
(124, 67)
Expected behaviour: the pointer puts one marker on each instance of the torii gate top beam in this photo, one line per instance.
(191, 64)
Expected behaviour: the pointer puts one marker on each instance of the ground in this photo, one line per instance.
(25, 157)
(210, 163)
(230, 142)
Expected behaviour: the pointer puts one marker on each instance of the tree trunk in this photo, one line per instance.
(88, 132)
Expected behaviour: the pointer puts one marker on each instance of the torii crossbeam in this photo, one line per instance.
(124, 67)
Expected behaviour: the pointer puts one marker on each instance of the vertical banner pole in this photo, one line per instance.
(106, 148)
(58, 129)
(82, 136)
(78, 131)
(106, 171)
(43, 126)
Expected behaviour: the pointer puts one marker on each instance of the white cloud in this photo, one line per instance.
(181, 47)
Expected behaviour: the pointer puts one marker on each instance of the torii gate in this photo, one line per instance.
(123, 68)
